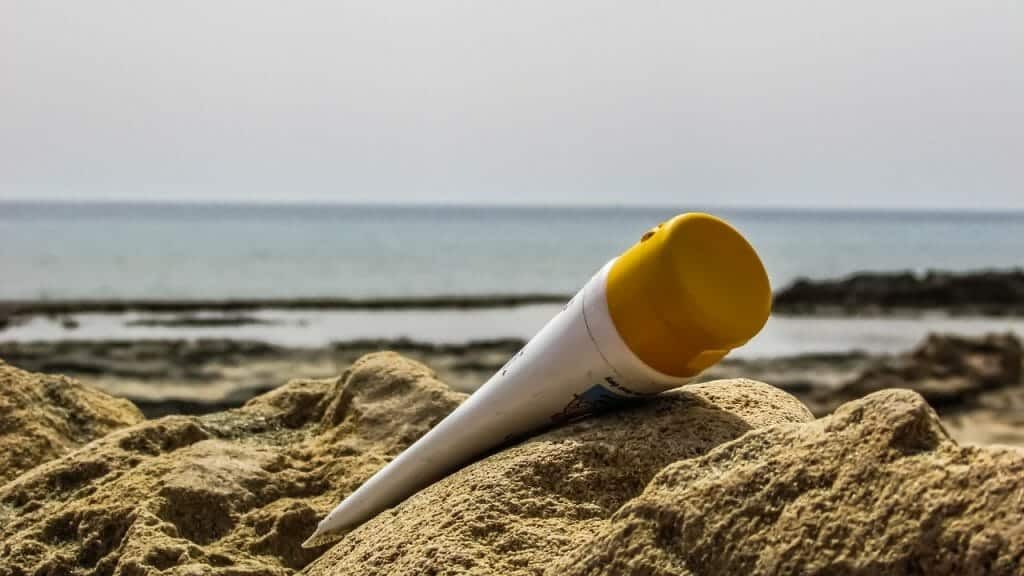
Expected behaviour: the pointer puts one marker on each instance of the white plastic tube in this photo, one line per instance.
(687, 293)
(577, 364)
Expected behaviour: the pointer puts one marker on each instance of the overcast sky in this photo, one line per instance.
(869, 103)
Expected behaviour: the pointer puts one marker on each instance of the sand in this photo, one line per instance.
(725, 477)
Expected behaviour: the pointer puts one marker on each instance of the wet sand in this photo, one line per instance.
(208, 375)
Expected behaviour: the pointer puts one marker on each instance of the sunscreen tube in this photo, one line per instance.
(672, 305)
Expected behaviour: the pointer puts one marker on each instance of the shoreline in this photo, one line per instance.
(985, 293)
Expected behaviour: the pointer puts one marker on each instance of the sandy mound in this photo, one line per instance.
(229, 493)
(43, 416)
(725, 477)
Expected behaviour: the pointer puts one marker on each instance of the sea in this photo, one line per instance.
(224, 251)
(172, 251)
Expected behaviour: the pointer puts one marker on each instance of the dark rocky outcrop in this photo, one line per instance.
(953, 373)
(945, 369)
(989, 292)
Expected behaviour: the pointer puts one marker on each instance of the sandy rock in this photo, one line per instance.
(876, 488)
(228, 493)
(523, 507)
(729, 477)
(43, 417)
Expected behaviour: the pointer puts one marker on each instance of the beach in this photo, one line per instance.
(206, 421)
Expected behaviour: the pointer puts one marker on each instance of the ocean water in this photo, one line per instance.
(271, 251)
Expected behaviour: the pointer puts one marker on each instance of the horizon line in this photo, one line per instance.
(311, 202)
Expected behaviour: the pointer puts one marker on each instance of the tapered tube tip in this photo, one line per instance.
(320, 537)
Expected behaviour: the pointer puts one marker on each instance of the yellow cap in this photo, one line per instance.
(690, 291)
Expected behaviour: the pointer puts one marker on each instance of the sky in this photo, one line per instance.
(812, 103)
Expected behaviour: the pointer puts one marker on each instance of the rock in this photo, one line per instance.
(228, 493)
(523, 507)
(163, 377)
(995, 292)
(947, 370)
(196, 320)
(43, 417)
(974, 383)
(876, 488)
